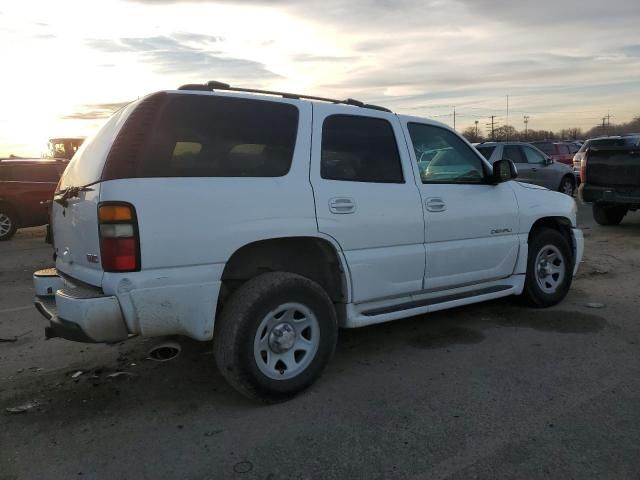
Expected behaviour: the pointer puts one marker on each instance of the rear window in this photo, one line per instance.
(486, 151)
(614, 142)
(206, 136)
(545, 147)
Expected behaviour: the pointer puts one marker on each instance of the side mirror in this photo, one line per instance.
(548, 161)
(504, 170)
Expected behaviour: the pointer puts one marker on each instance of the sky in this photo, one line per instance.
(66, 65)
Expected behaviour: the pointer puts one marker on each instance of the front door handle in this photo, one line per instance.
(341, 205)
(534, 169)
(435, 204)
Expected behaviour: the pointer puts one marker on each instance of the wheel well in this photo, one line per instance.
(560, 224)
(570, 177)
(12, 209)
(310, 257)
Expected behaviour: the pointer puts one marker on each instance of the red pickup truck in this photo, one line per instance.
(26, 189)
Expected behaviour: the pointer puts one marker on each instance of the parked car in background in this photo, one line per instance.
(26, 189)
(533, 165)
(63, 148)
(610, 174)
(265, 222)
(558, 151)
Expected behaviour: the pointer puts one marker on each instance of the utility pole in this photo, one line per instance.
(526, 124)
(604, 131)
(476, 122)
(454, 118)
(507, 122)
(492, 126)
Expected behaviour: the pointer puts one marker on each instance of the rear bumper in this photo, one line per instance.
(612, 195)
(81, 314)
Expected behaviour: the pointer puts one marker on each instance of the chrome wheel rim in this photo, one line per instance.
(567, 187)
(549, 268)
(5, 224)
(286, 341)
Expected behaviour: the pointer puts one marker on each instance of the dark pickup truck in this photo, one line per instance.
(610, 175)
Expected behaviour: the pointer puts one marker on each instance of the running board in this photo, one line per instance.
(433, 301)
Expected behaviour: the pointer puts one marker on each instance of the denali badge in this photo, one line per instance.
(500, 230)
(92, 258)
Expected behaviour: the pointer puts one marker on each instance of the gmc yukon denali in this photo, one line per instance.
(264, 221)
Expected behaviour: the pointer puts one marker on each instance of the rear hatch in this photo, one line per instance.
(74, 214)
(614, 163)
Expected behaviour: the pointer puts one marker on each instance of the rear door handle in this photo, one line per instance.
(342, 205)
(534, 169)
(435, 204)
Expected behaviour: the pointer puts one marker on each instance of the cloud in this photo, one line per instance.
(167, 54)
(94, 111)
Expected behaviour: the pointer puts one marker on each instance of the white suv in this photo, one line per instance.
(265, 222)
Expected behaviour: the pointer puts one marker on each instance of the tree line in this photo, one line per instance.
(508, 132)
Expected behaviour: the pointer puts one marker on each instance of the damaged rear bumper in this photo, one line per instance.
(78, 313)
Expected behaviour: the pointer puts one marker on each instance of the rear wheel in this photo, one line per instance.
(611, 215)
(567, 186)
(549, 269)
(275, 336)
(8, 223)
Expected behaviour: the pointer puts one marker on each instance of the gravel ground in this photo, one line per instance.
(489, 391)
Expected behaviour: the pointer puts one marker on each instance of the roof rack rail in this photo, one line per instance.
(213, 85)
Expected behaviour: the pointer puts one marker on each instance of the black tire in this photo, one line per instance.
(236, 329)
(7, 216)
(567, 186)
(533, 293)
(609, 215)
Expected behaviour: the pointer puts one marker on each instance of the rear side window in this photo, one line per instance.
(563, 149)
(206, 136)
(486, 151)
(359, 149)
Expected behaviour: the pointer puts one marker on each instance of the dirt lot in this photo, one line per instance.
(488, 391)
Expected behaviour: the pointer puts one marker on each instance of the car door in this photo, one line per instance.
(543, 171)
(470, 225)
(33, 186)
(367, 200)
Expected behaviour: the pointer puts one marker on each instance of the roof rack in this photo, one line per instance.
(213, 85)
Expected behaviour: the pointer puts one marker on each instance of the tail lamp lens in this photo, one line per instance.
(583, 169)
(119, 240)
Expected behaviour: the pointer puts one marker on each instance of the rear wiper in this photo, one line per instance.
(63, 195)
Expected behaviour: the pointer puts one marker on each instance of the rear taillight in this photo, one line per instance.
(119, 239)
(583, 167)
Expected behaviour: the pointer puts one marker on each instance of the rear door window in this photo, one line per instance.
(359, 149)
(206, 136)
(563, 149)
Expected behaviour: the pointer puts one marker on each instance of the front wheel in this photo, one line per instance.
(8, 224)
(606, 216)
(549, 269)
(275, 336)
